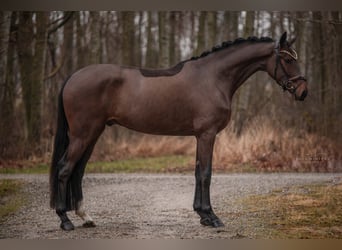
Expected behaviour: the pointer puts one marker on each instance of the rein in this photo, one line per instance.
(286, 84)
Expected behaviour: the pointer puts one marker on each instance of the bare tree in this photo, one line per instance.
(6, 95)
(243, 97)
(128, 37)
(164, 38)
(31, 47)
(151, 47)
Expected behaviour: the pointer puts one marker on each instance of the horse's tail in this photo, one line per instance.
(60, 146)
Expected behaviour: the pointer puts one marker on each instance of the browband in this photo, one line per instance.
(294, 55)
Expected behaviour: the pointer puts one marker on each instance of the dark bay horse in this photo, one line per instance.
(191, 99)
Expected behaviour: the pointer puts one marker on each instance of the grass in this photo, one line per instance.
(28, 169)
(162, 164)
(303, 212)
(10, 197)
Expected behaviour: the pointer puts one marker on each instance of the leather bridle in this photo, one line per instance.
(286, 82)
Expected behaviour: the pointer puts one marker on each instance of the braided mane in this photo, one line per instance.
(178, 67)
(228, 44)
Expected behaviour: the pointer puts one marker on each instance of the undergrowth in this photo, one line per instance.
(269, 147)
(264, 146)
(10, 197)
(313, 211)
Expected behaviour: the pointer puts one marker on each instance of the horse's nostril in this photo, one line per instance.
(304, 94)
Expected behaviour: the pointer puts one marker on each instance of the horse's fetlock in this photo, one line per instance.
(206, 209)
(197, 207)
(60, 211)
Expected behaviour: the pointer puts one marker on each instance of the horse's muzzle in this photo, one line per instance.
(302, 96)
(301, 91)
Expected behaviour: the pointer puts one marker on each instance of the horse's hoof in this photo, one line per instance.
(67, 226)
(213, 223)
(89, 224)
(217, 223)
(205, 221)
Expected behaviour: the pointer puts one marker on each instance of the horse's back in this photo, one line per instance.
(94, 75)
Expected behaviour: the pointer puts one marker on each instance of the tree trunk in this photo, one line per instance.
(151, 53)
(193, 32)
(244, 96)
(138, 52)
(5, 21)
(226, 25)
(319, 54)
(68, 33)
(211, 29)
(249, 26)
(128, 38)
(38, 78)
(25, 58)
(6, 84)
(318, 66)
(32, 69)
(201, 33)
(235, 20)
(273, 21)
(173, 42)
(163, 27)
(301, 34)
(95, 39)
(281, 22)
(336, 71)
(337, 53)
(79, 42)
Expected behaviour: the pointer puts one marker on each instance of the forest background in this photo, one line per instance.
(269, 131)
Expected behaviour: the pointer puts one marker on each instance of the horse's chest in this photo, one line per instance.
(223, 118)
(215, 119)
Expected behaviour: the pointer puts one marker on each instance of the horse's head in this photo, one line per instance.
(283, 67)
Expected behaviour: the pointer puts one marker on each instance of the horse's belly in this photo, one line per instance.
(159, 124)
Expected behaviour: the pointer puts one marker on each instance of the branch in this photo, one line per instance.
(57, 20)
(55, 71)
(66, 18)
(57, 68)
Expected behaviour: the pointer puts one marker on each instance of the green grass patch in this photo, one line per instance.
(10, 197)
(175, 163)
(29, 169)
(313, 212)
(162, 164)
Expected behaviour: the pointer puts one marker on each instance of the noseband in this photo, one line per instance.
(287, 83)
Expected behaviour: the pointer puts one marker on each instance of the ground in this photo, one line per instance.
(150, 206)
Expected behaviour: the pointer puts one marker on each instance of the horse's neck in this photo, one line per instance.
(238, 65)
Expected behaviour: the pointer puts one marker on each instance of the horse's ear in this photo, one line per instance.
(282, 40)
(292, 41)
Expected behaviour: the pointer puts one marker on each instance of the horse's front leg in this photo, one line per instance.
(202, 205)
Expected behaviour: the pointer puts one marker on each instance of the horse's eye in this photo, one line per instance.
(289, 61)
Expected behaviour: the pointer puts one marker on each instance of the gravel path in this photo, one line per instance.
(148, 206)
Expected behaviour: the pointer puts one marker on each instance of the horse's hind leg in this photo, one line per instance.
(80, 211)
(73, 154)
